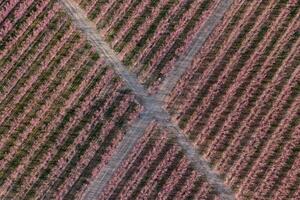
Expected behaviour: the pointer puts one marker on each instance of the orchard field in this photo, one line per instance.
(63, 110)
(76, 88)
(239, 101)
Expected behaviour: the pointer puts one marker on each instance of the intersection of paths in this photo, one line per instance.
(153, 104)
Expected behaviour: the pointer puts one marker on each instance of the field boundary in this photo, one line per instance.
(153, 108)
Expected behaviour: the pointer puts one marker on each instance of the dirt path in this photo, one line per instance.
(185, 60)
(153, 108)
